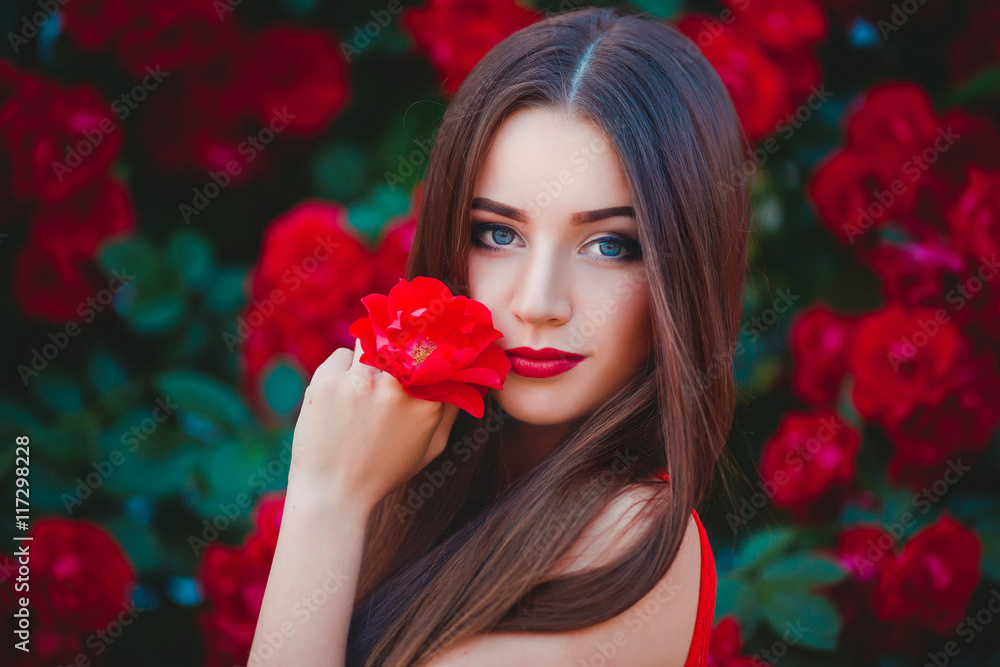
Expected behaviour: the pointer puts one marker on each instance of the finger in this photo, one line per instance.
(357, 352)
(339, 360)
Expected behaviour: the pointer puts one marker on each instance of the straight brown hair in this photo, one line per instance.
(456, 551)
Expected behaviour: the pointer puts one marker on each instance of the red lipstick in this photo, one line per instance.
(543, 363)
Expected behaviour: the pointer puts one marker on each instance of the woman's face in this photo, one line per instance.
(556, 258)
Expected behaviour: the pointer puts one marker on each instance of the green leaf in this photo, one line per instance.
(133, 255)
(58, 392)
(205, 397)
(802, 618)
(225, 293)
(104, 371)
(763, 546)
(803, 570)
(156, 314)
(989, 533)
(735, 595)
(662, 8)
(340, 171)
(283, 388)
(189, 256)
(984, 83)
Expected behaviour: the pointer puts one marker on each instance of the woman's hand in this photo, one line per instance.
(359, 435)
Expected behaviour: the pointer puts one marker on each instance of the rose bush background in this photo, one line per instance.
(194, 195)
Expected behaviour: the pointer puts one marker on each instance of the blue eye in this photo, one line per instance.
(611, 247)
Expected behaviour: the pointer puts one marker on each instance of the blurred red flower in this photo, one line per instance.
(725, 643)
(901, 358)
(313, 271)
(456, 34)
(809, 460)
(932, 579)
(819, 339)
(298, 68)
(81, 583)
(234, 579)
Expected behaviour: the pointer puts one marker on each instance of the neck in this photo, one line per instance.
(526, 445)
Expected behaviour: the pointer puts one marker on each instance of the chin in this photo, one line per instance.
(541, 405)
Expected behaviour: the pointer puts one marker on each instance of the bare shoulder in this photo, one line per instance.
(655, 632)
(659, 628)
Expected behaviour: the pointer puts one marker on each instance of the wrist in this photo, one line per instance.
(329, 495)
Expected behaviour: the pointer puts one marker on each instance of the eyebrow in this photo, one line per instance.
(578, 218)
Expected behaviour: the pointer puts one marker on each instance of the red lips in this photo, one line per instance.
(544, 354)
(543, 363)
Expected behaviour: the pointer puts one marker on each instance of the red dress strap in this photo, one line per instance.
(698, 653)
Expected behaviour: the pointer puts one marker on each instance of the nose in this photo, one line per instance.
(542, 295)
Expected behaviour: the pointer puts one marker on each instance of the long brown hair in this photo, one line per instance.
(456, 551)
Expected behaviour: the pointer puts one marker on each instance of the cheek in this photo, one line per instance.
(486, 283)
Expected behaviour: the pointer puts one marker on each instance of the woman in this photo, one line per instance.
(587, 185)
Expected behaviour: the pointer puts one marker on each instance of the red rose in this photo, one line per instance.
(78, 224)
(81, 583)
(902, 357)
(298, 71)
(60, 138)
(962, 422)
(234, 579)
(782, 25)
(456, 34)
(95, 24)
(918, 273)
(868, 552)
(757, 85)
(853, 192)
(312, 272)
(968, 139)
(439, 346)
(810, 461)
(725, 643)
(974, 219)
(49, 286)
(819, 339)
(897, 118)
(167, 36)
(932, 579)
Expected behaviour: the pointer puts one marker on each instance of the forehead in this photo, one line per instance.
(552, 165)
